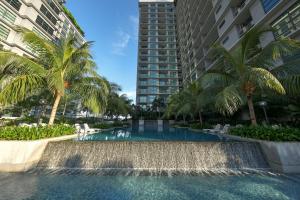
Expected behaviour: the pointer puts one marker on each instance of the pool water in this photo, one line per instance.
(64, 187)
(167, 134)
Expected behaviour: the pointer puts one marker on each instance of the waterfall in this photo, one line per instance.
(154, 157)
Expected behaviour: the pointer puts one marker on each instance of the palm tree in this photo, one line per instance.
(245, 71)
(57, 67)
(195, 98)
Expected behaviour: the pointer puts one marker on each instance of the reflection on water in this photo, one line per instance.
(159, 133)
(63, 187)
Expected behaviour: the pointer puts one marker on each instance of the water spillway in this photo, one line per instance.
(156, 157)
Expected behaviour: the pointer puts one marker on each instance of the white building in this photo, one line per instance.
(48, 18)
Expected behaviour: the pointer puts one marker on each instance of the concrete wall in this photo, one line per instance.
(20, 156)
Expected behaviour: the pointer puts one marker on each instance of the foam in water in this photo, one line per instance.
(153, 157)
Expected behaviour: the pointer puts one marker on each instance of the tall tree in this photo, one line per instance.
(57, 67)
(245, 71)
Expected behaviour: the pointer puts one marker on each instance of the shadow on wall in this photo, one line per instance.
(73, 162)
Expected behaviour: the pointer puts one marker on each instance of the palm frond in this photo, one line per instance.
(229, 100)
(265, 80)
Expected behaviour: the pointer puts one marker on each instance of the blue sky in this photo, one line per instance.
(113, 25)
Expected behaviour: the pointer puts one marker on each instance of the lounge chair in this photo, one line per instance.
(216, 129)
(78, 128)
(89, 130)
(225, 129)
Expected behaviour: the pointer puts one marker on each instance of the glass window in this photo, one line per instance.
(15, 3)
(152, 39)
(4, 32)
(7, 15)
(153, 82)
(151, 98)
(153, 74)
(152, 59)
(143, 99)
(153, 67)
(152, 33)
(153, 27)
(44, 25)
(153, 52)
(269, 4)
(152, 46)
(46, 12)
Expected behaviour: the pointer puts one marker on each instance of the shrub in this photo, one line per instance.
(36, 133)
(267, 133)
(199, 126)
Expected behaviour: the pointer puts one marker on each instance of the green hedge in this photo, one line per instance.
(268, 133)
(26, 133)
(199, 126)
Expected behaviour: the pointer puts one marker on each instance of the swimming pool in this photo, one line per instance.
(65, 187)
(167, 134)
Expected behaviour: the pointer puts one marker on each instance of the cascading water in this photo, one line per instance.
(153, 157)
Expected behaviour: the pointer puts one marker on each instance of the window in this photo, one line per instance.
(172, 59)
(152, 59)
(46, 12)
(152, 53)
(269, 4)
(153, 27)
(219, 8)
(143, 99)
(288, 22)
(44, 25)
(153, 82)
(15, 3)
(7, 15)
(153, 67)
(222, 24)
(4, 32)
(152, 39)
(225, 40)
(153, 74)
(35, 30)
(152, 33)
(54, 7)
(152, 46)
(151, 99)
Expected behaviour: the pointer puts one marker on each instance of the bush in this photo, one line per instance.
(26, 133)
(199, 126)
(268, 133)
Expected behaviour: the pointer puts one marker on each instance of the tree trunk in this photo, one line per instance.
(200, 118)
(54, 109)
(251, 111)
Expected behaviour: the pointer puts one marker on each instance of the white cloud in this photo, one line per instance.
(121, 44)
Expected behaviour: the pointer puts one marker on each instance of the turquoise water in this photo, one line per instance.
(64, 187)
(169, 134)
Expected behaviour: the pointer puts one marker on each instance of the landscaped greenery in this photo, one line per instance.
(60, 69)
(26, 133)
(240, 78)
(279, 134)
(72, 18)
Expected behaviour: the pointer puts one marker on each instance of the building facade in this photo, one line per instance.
(158, 63)
(202, 23)
(47, 18)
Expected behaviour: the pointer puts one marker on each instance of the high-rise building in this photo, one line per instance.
(158, 68)
(201, 23)
(48, 18)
